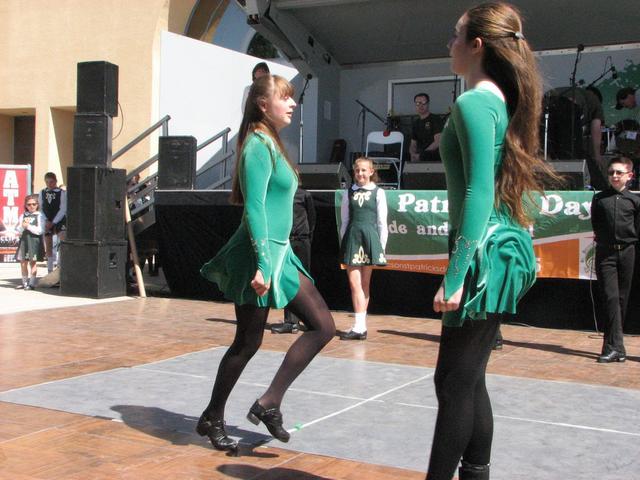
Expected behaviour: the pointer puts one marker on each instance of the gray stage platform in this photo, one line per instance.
(371, 412)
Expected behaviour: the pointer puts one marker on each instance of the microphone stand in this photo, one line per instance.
(301, 103)
(546, 100)
(363, 112)
(610, 69)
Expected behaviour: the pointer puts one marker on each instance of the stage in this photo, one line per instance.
(193, 225)
(113, 390)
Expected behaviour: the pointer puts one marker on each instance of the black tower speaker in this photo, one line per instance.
(97, 88)
(574, 172)
(93, 269)
(323, 176)
(95, 198)
(177, 163)
(424, 176)
(92, 134)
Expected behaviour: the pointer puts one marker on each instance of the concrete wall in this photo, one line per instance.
(41, 44)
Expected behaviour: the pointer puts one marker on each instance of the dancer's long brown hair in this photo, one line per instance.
(254, 119)
(509, 61)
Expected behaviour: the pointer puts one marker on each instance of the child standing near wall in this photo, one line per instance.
(53, 201)
(363, 238)
(30, 247)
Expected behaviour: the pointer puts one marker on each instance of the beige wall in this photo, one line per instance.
(42, 42)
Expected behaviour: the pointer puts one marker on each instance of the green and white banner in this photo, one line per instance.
(419, 228)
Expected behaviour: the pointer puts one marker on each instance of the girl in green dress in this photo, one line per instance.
(363, 237)
(257, 269)
(31, 247)
(490, 150)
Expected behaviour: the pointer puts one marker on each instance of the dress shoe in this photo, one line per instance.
(351, 335)
(272, 419)
(612, 356)
(285, 328)
(214, 429)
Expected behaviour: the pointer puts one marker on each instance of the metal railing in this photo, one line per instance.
(225, 176)
(140, 194)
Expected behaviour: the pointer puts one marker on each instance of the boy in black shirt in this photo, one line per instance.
(615, 216)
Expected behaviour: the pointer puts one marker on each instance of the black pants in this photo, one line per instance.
(302, 249)
(615, 273)
(464, 426)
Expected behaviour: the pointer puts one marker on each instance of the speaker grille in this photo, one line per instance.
(93, 269)
(97, 88)
(92, 134)
(95, 198)
(177, 163)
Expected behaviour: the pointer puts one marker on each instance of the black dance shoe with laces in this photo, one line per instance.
(214, 429)
(272, 419)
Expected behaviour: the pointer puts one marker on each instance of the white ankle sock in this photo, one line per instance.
(25, 281)
(50, 264)
(361, 323)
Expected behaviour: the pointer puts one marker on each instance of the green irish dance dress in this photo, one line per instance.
(364, 226)
(491, 255)
(31, 246)
(261, 242)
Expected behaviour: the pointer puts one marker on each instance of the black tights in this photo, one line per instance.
(464, 426)
(310, 307)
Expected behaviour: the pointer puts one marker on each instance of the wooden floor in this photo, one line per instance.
(49, 345)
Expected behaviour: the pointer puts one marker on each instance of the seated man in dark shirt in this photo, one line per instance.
(425, 132)
(615, 217)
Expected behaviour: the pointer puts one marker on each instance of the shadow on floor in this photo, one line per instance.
(254, 472)
(534, 346)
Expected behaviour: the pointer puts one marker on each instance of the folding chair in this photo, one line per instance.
(383, 163)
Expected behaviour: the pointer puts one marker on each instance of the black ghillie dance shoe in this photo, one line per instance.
(272, 419)
(214, 429)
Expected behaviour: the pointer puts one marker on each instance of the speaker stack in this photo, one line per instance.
(94, 253)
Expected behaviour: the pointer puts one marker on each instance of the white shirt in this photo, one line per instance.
(381, 204)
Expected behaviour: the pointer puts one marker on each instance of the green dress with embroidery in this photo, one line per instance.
(361, 243)
(261, 242)
(490, 254)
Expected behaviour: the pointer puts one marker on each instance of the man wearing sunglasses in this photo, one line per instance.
(615, 217)
(425, 132)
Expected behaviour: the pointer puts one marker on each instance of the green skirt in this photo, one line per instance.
(501, 272)
(361, 246)
(30, 247)
(235, 266)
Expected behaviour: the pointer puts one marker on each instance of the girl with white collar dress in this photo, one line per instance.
(31, 246)
(363, 238)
